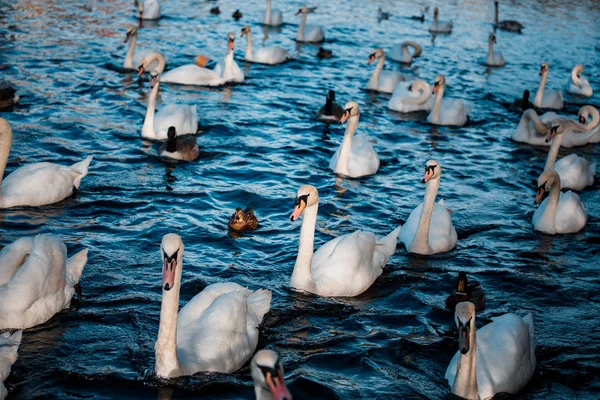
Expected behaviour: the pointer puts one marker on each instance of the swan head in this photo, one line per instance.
(376, 54)
(132, 31)
(172, 254)
(547, 179)
(465, 322)
(439, 82)
(231, 40)
(154, 78)
(578, 70)
(493, 38)
(433, 170)
(245, 30)
(306, 10)
(350, 110)
(557, 129)
(544, 68)
(307, 196)
(268, 374)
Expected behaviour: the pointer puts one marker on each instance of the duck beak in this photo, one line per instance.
(277, 387)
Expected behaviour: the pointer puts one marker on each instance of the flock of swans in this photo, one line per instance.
(217, 329)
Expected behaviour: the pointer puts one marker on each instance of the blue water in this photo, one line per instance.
(259, 144)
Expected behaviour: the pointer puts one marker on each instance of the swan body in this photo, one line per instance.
(177, 147)
(559, 212)
(552, 99)
(411, 97)
(148, 9)
(578, 84)
(400, 53)
(449, 111)
(575, 172)
(184, 118)
(9, 346)
(494, 59)
(272, 17)
(438, 26)
(343, 267)
(507, 25)
(382, 81)
(217, 330)
(267, 374)
(36, 184)
(308, 33)
(331, 111)
(428, 229)
(498, 358)
(265, 55)
(355, 157)
(36, 280)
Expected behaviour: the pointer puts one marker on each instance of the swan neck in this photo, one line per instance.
(301, 277)
(420, 242)
(553, 199)
(553, 152)
(405, 53)
(575, 78)
(228, 70)
(262, 393)
(167, 364)
(344, 156)
(374, 81)
(491, 51)
(268, 13)
(130, 50)
(249, 46)
(465, 381)
(148, 127)
(437, 107)
(300, 35)
(540, 127)
(5, 144)
(540, 93)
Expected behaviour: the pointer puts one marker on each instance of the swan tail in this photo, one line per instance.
(592, 168)
(9, 345)
(75, 266)
(529, 321)
(443, 203)
(389, 242)
(81, 168)
(259, 303)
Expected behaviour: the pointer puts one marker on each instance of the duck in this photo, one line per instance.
(428, 229)
(494, 59)
(551, 99)
(575, 172)
(237, 15)
(507, 25)
(37, 280)
(449, 112)
(439, 26)
(411, 97)
(36, 184)
(498, 358)
(9, 347)
(343, 267)
(559, 212)
(133, 58)
(272, 17)
(422, 16)
(309, 33)
(267, 374)
(382, 15)
(177, 147)
(265, 55)
(578, 84)
(216, 331)
(148, 9)
(324, 53)
(243, 220)
(355, 157)
(466, 291)
(183, 118)
(382, 81)
(8, 97)
(400, 53)
(331, 111)
(523, 103)
(215, 11)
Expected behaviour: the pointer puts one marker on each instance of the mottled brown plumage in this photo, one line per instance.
(243, 220)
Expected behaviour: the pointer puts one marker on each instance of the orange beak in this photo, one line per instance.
(371, 59)
(231, 44)
(345, 116)
(140, 70)
(278, 388)
(539, 195)
(298, 209)
(169, 266)
(428, 175)
(435, 88)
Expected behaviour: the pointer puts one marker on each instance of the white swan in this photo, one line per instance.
(410, 97)
(148, 9)
(400, 53)
(438, 26)
(494, 59)
(498, 358)
(343, 267)
(559, 212)
(268, 378)
(578, 84)
(552, 99)
(272, 17)
(507, 25)
(133, 58)
(37, 280)
(36, 184)
(217, 330)
(9, 346)
(309, 33)
(265, 55)
(448, 111)
(183, 117)
(428, 229)
(382, 81)
(355, 157)
(575, 172)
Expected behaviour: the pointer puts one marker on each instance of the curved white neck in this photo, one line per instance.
(575, 78)
(405, 53)
(437, 106)
(540, 93)
(167, 365)
(552, 202)
(160, 62)
(268, 13)
(465, 380)
(228, 69)
(594, 114)
(249, 46)
(374, 81)
(302, 277)
(420, 243)
(148, 127)
(553, 152)
(490, 57)
(128, 63)
(530, 116)
(300, 35)
(5, 143)
(342, 164)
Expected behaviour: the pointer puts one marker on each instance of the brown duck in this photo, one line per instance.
(243, 220)
(466, 291)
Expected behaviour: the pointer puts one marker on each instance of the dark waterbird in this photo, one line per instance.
(466, 291)
(331, 111)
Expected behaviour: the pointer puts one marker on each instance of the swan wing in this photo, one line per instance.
(442, 235)
(12, 257)
(575, 172)
(313, 33)
(454, 112)
(571, 215)
(388, 80)
(271, 55)
(179, 116)
(191, 74)
(363, 159)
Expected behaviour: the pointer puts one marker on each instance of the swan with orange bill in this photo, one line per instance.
(267, 374)
(382, 81)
